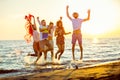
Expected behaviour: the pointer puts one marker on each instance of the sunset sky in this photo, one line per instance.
(104, 22)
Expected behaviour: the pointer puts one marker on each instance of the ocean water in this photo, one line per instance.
(13, 52)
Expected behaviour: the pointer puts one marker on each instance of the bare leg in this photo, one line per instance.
(60, 55)
(32, 55)
(39, 55)
(35, 55)
(45, 55)
(35, 51)
(73, 48)
(81, 49)
(57, 54)
(61, 51)
(52, 55)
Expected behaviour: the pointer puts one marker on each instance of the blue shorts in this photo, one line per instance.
(76, 37)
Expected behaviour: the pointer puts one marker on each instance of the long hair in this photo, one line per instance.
(58, 22)
(59, 28)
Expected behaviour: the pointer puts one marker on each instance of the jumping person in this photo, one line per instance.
(36, 43)
(51, 28)
(77, 22)
(60, 40)
(45, 46)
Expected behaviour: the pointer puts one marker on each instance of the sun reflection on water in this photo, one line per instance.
(95, 40)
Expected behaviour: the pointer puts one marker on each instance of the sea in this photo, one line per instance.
(14, 52)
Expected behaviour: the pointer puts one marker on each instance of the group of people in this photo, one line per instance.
(43, 40)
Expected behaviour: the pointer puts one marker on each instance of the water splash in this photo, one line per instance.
(18, 52)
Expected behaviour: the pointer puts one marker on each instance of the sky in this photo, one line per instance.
(104, 20)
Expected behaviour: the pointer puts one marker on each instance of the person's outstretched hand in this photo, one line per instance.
(88, 10)
(67, 7)
(37, 18)
(33, 16)
(60, 17)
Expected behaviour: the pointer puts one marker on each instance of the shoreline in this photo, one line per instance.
(106, 71)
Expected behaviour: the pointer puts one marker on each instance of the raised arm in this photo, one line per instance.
(88, 18)
(38, 21)
(68, 12)
(34, 22)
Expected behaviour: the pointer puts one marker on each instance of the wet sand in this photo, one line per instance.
(106, 71)
(7, 71)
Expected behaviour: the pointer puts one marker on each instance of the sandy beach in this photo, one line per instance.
(105, 71)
